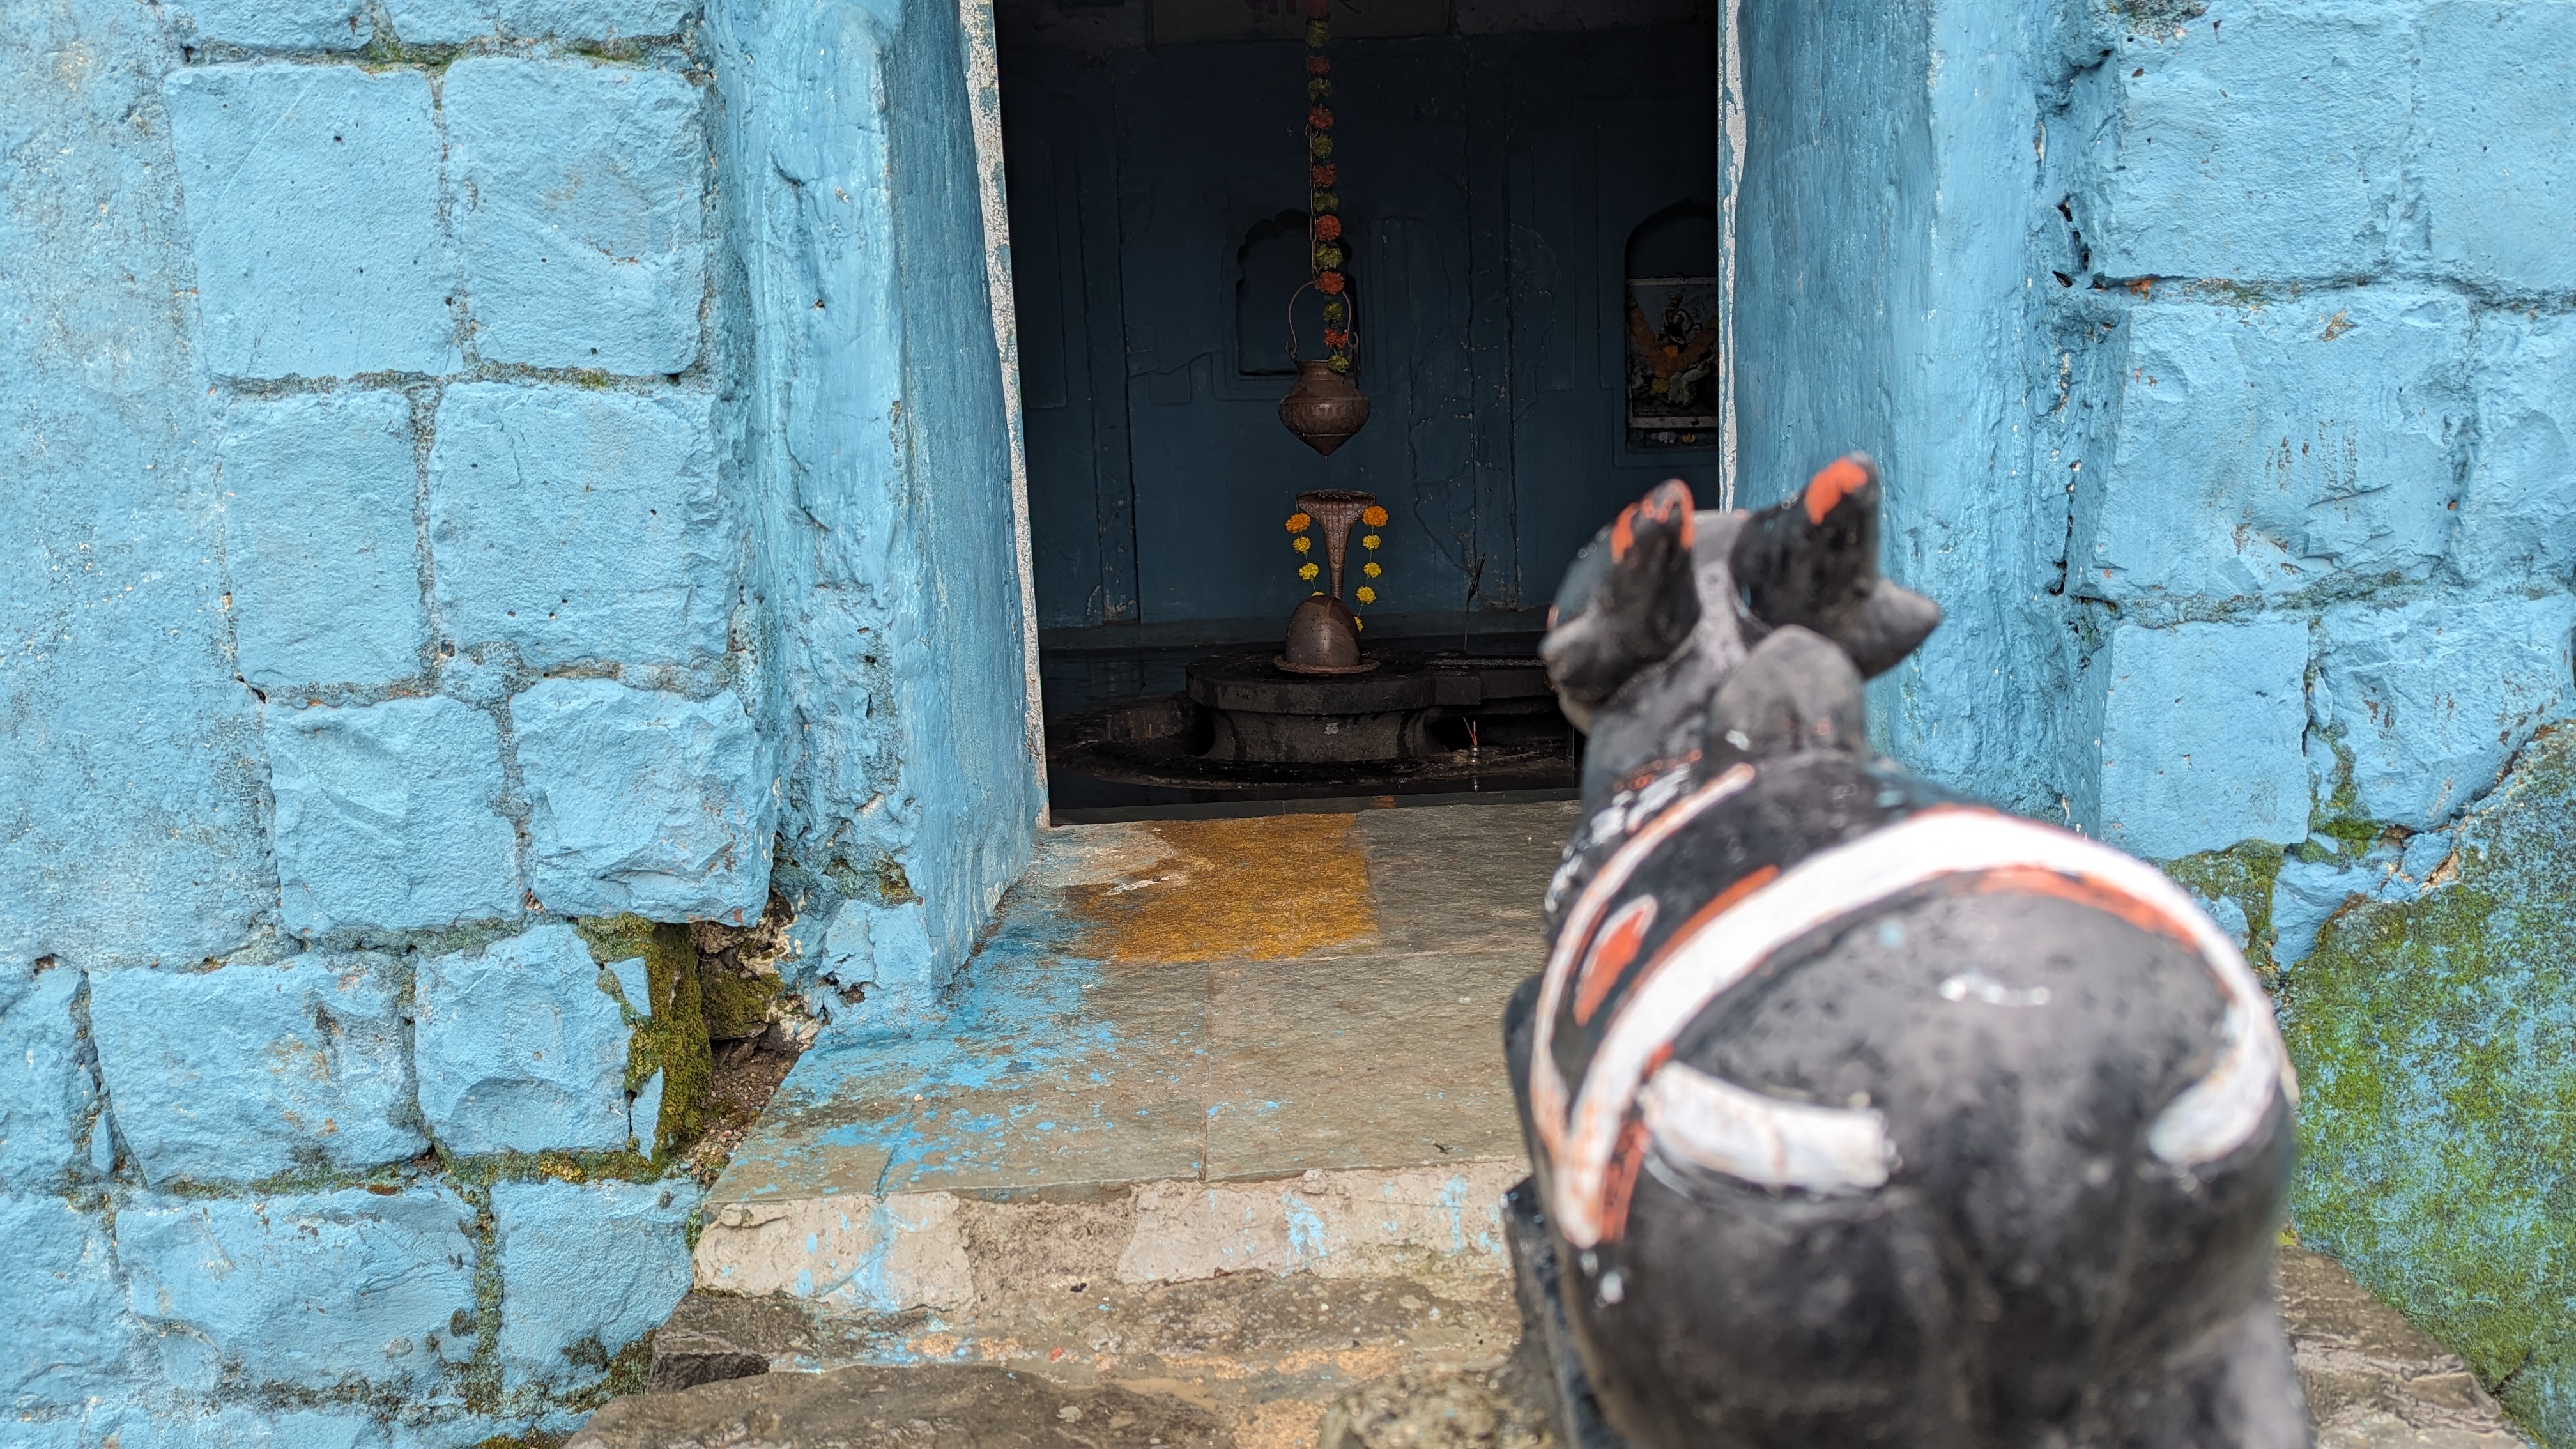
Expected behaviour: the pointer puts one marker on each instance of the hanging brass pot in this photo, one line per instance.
(1325, 408)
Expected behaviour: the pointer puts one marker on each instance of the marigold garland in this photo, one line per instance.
(1323, 205)
(1308, 571)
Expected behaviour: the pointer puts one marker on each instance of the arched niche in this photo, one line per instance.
(1669, 327)
(1270, 266)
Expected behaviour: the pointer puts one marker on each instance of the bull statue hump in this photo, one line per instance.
(1861, 1112)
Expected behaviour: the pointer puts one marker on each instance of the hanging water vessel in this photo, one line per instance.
(1325, 408)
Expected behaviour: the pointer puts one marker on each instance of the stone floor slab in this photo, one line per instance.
(1359, 1061)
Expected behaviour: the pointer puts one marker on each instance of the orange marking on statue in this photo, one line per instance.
(1611, 953)
(1671, 500)
(1726, 900)
(2031, 880)
(1621, 1184)
(1838, 479)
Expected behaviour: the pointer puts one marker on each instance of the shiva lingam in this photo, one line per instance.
(1323, 635)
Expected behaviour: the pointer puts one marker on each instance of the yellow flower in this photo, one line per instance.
(1371, 569)
(1373, 516)
(1366, 595)
(1308, 572)
(1297, 522)
(1305, 545)
(1368, 541)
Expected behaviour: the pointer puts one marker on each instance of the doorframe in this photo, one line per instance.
(984, 100)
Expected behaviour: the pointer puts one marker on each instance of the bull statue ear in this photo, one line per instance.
(1630, 599)
(1812, 563)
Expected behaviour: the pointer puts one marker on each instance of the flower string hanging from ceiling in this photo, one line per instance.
(1326, 407)
(1324, 205)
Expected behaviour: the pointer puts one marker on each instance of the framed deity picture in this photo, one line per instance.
(1673, 359)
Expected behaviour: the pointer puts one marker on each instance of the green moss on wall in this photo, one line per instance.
(736, 1004)
(2436, 1047)
(673, 1040)
(2243, 874)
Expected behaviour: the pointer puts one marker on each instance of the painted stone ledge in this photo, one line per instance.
(864, 1253)
(861, 1252)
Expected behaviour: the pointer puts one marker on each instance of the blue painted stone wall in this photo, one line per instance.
(424, 580)
(875, 470)
(2221, 357)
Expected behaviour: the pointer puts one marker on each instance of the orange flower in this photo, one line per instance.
(1330, 284)
(1336, 337)
(1322, 176)
(1318, 118)
(1373, 516)
(1318, 65)
(1319, 9)
(1328, 228)
(1298, 522)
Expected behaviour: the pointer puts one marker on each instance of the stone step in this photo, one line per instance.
(1217, 1111)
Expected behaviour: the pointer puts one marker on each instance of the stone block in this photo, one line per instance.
(279, 24)
(520, 1048)
(69, 1338)
(249, 1071)
(574, 524)
(319, 542)
(46, 1099)
(2263, 450)
(453, 22)
(590, 250)
(2434, 698)
(644, 801)
(2495, 143)
(387, 816)
(2264, 149)
(2201, 740)
(586, 1270)
(318, 1291)
(312, 195)
(2518, 512)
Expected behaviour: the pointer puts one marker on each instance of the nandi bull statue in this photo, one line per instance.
(1862, 1113)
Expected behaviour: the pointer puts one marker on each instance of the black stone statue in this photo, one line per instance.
(1862, 1113)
